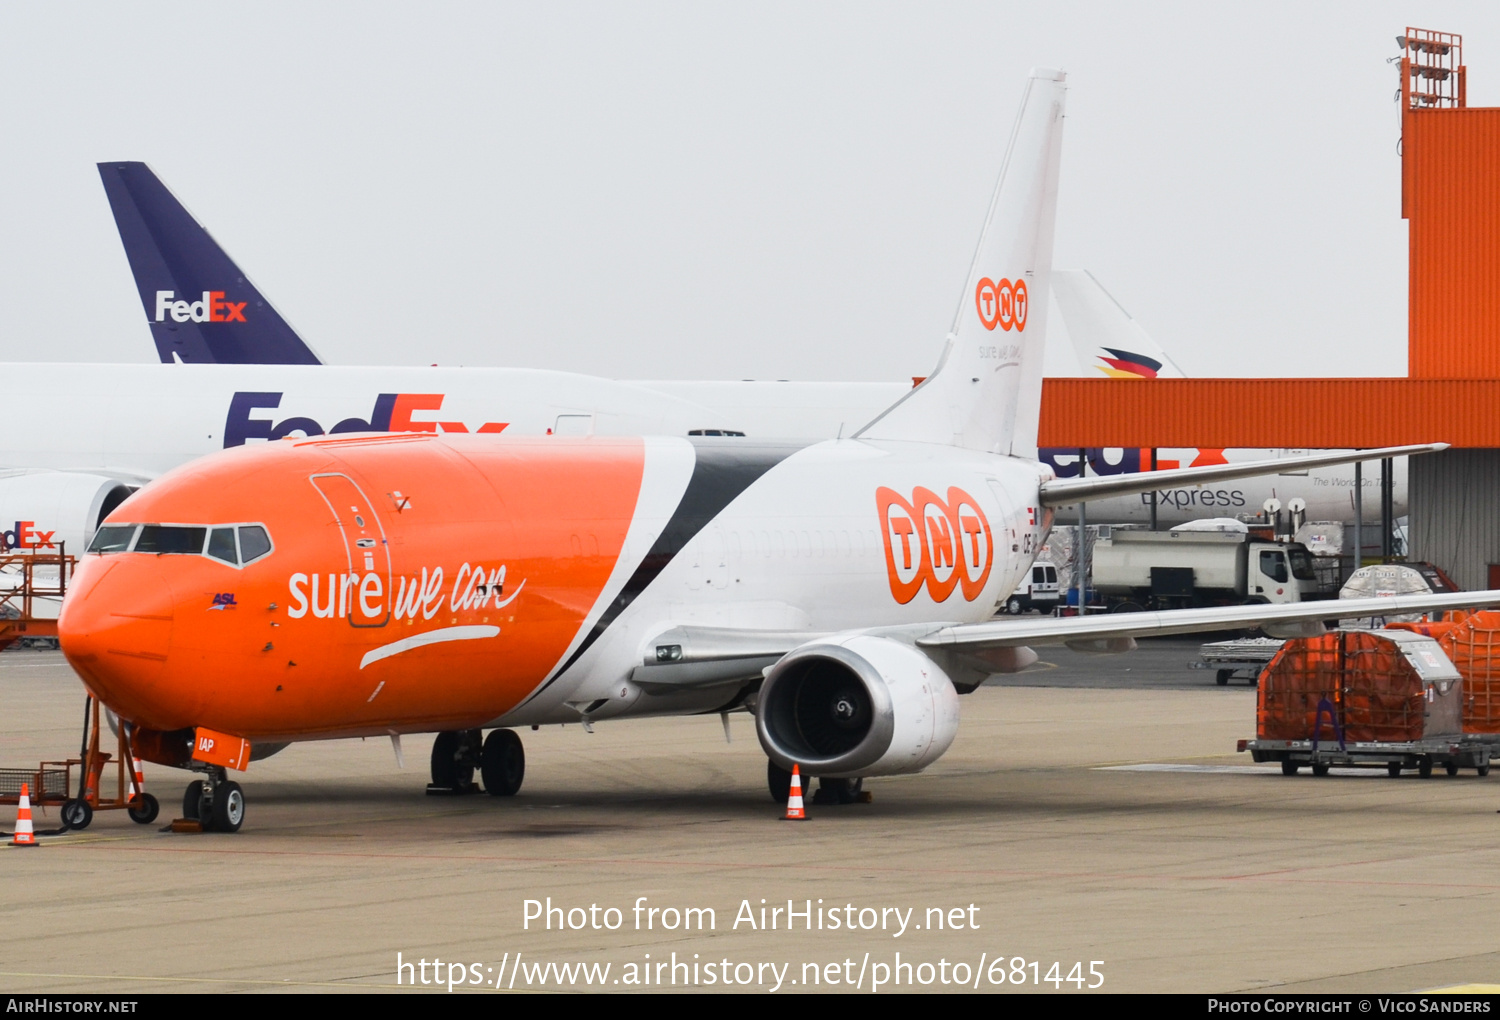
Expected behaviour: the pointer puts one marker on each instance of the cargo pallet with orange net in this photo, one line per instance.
(51, 782)
(1365, 698)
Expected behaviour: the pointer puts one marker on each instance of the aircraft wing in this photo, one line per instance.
(690, 656)
(1116, 632)
(1064, 491)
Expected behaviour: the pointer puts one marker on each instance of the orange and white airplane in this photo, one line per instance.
(374, 584)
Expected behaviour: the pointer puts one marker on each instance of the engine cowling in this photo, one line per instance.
(39, 510)
(856, 706)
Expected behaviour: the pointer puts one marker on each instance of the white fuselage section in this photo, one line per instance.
(817, 545)
(135, 422)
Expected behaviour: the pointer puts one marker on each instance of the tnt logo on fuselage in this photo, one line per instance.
(212, 308)
(942, 544)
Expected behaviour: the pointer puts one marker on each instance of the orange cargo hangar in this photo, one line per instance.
(1450, 197)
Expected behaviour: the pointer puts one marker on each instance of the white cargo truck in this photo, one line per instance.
(1182, 567)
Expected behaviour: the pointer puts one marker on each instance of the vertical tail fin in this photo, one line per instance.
(985, 393)
(200, 306)
(1104, 335)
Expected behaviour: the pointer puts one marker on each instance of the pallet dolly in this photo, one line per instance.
(51, 782)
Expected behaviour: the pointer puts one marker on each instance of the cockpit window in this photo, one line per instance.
(234, 544)
(112, 538)
(170, 538)
(221, 545)
(254, 542)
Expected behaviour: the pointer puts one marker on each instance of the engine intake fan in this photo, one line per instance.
(862, 705)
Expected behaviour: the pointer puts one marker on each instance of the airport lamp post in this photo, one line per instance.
(1153, 491)
(1359, 515)
(1080, 554)
(1387, 510)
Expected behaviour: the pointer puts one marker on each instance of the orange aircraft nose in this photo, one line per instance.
(116, 631)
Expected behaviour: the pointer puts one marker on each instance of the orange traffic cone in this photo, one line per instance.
(140, 777)
(794, 811)
(24, 835)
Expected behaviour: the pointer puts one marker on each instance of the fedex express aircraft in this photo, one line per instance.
(458, 581)
(181, 272)
(242, 375)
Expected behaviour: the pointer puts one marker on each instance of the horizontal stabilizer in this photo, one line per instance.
(1066, 491)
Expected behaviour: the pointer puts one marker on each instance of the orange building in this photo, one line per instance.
(1450, 197)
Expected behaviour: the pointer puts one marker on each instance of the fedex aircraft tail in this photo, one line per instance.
(985, 393)
(1104, 335)
(199, 304)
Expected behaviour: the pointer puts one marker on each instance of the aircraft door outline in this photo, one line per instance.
(365, 546)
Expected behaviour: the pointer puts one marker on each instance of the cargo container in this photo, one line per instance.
(1472, 642)
(1389, 697)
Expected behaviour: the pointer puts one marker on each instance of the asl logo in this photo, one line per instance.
(937, 543)
(224, 600)
(1001, 304)
(25, 535)
(212, 308)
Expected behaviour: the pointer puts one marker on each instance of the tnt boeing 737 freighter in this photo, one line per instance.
(380, 584)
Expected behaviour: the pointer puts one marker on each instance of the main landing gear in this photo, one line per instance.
(830, 791)
(499, 758)
(216, 802)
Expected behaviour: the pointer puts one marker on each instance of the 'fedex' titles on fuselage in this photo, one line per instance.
(392, 413)
(211, 308)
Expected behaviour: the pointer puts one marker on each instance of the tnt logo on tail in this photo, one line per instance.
(212, 308)
(1001, 304)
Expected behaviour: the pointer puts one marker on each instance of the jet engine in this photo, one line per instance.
(856, 706)
(41, 509)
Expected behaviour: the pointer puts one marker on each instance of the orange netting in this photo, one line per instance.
(1372, 690)
(1425, 627)
(1474, 646)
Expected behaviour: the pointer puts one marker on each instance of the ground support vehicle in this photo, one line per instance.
(1039, 591)
(1184, 568)
(51, 782)
(1243, 656)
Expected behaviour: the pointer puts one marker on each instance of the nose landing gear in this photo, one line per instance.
(215, 802)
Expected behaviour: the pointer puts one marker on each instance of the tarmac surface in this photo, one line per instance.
(1092, 809)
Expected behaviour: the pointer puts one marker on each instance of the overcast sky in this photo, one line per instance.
(716, 190)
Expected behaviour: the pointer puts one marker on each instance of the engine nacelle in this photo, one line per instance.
(39, 510)
(856, 706)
